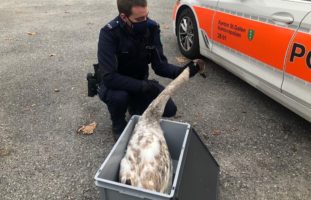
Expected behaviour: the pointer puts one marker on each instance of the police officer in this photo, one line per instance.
(126, 46)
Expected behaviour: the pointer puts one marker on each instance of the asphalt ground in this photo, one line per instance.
(263, 149)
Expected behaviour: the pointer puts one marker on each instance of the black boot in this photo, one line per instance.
(134, 111)
(117, 128)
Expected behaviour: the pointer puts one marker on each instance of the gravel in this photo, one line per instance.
(263, 149)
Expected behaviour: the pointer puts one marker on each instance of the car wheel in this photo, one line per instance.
(187, 34)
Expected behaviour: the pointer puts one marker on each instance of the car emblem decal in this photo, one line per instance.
(251, 34)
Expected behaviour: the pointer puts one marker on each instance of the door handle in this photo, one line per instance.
(283, 18)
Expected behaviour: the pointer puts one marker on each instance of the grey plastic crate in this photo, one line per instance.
(195, 170)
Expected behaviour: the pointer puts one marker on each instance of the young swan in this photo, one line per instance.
(147, 162)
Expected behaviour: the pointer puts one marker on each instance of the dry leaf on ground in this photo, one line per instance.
(205, 135)
(181, 59)
(234, 129)
(87, 129)
(216, 132)
(32, 33)
(165, 26)
(4, 152)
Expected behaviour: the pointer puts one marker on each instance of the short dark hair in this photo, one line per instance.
(125, 6)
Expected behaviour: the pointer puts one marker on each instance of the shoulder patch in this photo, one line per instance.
(112, 25)
(152, 23)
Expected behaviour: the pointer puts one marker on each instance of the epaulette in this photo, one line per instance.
(153, 24)
(112, 25)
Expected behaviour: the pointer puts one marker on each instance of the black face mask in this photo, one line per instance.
(139, 27)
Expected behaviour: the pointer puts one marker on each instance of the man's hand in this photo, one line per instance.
(196, 66)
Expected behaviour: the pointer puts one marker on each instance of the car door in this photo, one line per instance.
(254, 36)
(297, 75)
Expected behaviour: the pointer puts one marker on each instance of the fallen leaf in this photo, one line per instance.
(216, 132)
(234, 129)
(203, 75)
(205, 135)
(87, 129)
(294, 148)
(53, 54)
(199, 115)
(165, 26)
(4, 152)
(26, 109)
(177, 116)
(181, 59)
(32, 33)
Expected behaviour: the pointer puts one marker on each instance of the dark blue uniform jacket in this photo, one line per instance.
(123, 57)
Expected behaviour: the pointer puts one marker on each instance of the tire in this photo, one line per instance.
(187, 32)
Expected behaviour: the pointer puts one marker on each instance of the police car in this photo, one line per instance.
(267, 43)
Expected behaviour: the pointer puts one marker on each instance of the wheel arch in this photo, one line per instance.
(180, 9)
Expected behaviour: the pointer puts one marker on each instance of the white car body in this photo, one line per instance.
(267, 43)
